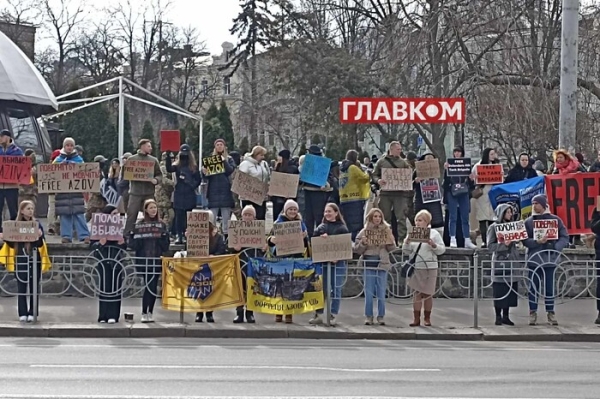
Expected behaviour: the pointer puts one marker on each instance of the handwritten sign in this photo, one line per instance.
(13, 231)
(107, 226)
(69, 178)
(284, 185)
(249, 188)
(377, 237)
(289, 238)
(420, 234)
(397, 179)
(315, 170)
(428, 169)
(459, 167)
(489, 174)
(170, 140)
(148, 230)
(430, 191)
(246, 234)
(198, 227)
(513, 231)
(214, 165)
(545, 228)
(331, 248)
(15, 170)
(136, 170)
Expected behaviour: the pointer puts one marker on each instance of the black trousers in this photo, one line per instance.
(314, 204)
(277, 208)
(151, 291)
(11, 196)
(111, 281)
(24, 282)
(181, 221)
(261, 210)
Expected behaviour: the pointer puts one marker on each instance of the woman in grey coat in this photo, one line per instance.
(505, 257)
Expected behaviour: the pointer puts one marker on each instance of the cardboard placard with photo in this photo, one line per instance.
(283, 185)
(198, 237)
(107, 226)
(289, 238)
(397, 179)
(136, 170)
(249, 234)
(249, 188)
(428, 169)
(513, 231)
(331, 248)
(68, 178)
(13, 231)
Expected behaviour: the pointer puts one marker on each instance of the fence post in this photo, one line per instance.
(475, 290)
(35, 286)
(327, 293)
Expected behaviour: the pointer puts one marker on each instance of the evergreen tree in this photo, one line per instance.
(316, 139)
(212, 131)
(148, 133)
(128, 145)
(302, 150)
(212, 112)
(226, 124)
(244, 147)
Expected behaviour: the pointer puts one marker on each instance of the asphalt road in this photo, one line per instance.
(247, 369)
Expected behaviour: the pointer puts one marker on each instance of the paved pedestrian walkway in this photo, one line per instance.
(452, 320)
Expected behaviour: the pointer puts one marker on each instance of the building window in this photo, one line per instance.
(204, 87)
(193, 89)
(226, 86)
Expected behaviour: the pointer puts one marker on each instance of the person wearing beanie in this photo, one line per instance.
(283, 165)
(9, 192)
(220, 199)
(543, 253)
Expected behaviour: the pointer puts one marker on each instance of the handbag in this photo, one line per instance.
(459, 189)
(478, 192)
(408, 268)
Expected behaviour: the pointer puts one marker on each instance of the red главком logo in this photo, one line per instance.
(402, 110)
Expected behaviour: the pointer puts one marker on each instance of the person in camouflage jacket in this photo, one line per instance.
(164, 193)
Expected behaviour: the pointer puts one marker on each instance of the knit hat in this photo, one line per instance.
(5, 132)
(290, 204)
(541, 199)
(220, 141)
(285, 154)
(249, 209)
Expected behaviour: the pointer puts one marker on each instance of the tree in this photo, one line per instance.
(148, 133)
(244, 147)
(226, 124)
(302, 150)
(316, 139)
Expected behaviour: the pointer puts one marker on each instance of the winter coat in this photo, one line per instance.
(427, 257)
(484, 210)
(331, 229)
(252, 167)
(391, 162)
(382, 251)
(218, 191)
(519, 173)
(152, 248)
(12, 150)
(504, 257)
(218, 246)
(186, 183)
(144, 188)
(69, 204)
(533, 248)
(435, 208)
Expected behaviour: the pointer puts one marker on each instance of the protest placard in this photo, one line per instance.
(378, 237)
(107, 226)
(214, 165)
(69, 178)
(249, 234)
(136, 170)
(331, 248)
(284, 185)
(598, 203)
(430, 190)
(13, 231)
(428, 169)
(170, 140)
(545, 228)
(459, 167)
(148, 230)
(15, 170)
(289, 238)
(315, 170)
(513, 231)
(249, 188)
(198, 228)
(420, 234)
(489, 174)
(397, 179)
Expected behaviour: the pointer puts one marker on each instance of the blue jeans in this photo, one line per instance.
(375, 285)
(535, 281)
(462, 202)
(338, 273)
(66, 227)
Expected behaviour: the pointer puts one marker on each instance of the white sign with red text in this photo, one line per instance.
(402, 110)
(545, 228)
(509, 232)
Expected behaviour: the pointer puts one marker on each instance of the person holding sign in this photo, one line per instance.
(150, 241)
(218, 189)
(18, 257)
(542, 256)
(354, 192)
(315, 196)
(484, 211)
(423, 281)
(255, 166)
(505, 255)
(187, 181)
(333, 224)
(434, 207)
(9, 192)
(283, 165)
(376, 258)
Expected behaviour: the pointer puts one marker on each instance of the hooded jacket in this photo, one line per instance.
(354, 183)
(533, 248)
(218, 191)
(504, 257)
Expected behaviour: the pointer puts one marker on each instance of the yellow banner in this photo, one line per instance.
(202, 284)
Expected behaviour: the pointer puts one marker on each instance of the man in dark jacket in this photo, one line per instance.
(9, 192)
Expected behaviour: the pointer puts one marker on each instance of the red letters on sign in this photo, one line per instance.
(15, 170)
(402, 110)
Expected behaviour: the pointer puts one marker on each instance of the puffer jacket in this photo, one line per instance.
(331, 229)
(219, 187)
(68, 204)
(504, 257)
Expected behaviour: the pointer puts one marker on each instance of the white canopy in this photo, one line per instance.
(19, 78)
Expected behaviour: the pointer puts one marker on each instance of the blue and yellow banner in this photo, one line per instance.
(202, 284)
(288, 286)
(518, 195)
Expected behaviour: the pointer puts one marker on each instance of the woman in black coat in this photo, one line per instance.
(283, 166)
(434, 208)
(188, 179)
(218, 190)
(522, 171)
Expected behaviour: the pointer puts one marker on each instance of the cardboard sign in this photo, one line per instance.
(545, 228)
(377, 237)
(69, 178)
(315, 170)
(428, 169)
(331, 248)
(459, 167)
(430, 191)
(247, 234)
(420, 234)
(249, 188)
(148, 230)
(489, 174)
(136, 170)
(170, 140)
(107, 226)
(15, 169)
(214, 165)
(397, 179)
(198, 228)
(284, 185)
(289, 238)
(513, 231)
(572, 198)
(13, 231)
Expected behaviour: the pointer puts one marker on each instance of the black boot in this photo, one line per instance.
(505, 319)
(250, 317)
(498, 321)
(199, 317)
(598, 319)
(179, 240)
(209, 317)
(239, 318)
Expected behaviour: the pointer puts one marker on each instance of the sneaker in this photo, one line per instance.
(469, 244)
(552, 319)
(332, 321)
(150, 318)
(102, 322)
(380, 321)
(199, 317)
(29, 319)
(23, 319)
(532, 318)
(144, 318)
(65, 241)
(369, 321)
(453, 243)
(111, 321)
(316, 320)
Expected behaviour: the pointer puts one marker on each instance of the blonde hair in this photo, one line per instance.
(22, 206)
(257, 150)
(369, 219)
(424, 214)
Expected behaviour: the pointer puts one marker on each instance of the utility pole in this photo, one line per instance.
(568, 75)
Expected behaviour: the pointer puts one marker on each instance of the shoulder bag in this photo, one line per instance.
(408, 268)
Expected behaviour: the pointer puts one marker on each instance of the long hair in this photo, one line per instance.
(190, 161)
(114, 172)
(21, 218)
(339, 217)
(369, 219)
(282, 166)
(225, 154)
(485, 156)
(147, 217)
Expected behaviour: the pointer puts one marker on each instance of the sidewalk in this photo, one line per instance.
(452, 320)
